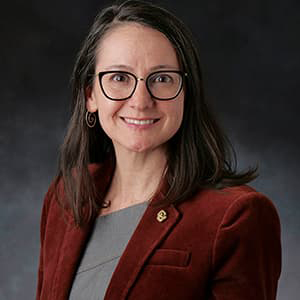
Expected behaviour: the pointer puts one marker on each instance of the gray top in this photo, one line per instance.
(104, 248)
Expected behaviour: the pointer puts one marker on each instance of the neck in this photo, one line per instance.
(136, 177)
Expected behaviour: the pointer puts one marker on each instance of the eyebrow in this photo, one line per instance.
(117, 67)
(158, 67)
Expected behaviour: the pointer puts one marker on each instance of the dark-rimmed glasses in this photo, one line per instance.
(121, 85)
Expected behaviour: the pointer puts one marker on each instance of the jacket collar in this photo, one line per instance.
(150, 232)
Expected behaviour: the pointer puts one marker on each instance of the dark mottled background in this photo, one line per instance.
(250, 56)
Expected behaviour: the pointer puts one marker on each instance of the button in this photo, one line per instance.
(161, 216)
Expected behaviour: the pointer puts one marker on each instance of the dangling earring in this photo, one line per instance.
(90, 119)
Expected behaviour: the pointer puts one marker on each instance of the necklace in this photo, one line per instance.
(106, 204)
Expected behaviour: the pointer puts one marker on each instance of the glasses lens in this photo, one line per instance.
(118, 85)
(165, 85)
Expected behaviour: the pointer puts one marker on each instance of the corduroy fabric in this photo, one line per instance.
(218, 245)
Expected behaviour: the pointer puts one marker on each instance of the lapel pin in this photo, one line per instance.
(161, 216)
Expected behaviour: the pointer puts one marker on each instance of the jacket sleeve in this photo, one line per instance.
(43, 225)
(247, 251)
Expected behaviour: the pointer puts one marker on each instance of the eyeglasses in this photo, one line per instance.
(121, 85)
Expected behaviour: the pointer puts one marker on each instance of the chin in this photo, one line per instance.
(141, 147)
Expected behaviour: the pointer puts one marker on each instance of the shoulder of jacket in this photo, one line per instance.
(215, 204)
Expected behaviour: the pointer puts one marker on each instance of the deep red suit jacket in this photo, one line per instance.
(218, 245)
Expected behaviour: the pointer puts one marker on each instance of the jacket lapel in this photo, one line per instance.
(75, 238)
(69, 257)
(150, 231)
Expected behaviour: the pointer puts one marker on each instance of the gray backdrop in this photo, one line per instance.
(250, 56)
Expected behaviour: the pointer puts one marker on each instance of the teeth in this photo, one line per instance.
(139, 122)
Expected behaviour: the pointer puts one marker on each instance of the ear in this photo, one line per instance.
(91, 103)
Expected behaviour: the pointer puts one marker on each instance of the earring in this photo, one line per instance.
(90, 119)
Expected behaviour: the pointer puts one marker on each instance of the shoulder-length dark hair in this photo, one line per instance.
(199, 154)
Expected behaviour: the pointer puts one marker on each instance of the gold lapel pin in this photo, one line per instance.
(161, 215)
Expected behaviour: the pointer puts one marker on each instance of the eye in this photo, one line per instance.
(119, 77)
(162, 78)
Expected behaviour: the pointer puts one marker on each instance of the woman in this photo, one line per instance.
(146, 204)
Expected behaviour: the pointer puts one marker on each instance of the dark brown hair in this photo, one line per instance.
(199, 154)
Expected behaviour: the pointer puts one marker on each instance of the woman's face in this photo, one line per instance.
(139, 123)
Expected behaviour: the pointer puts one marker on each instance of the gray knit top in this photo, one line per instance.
(104, 248)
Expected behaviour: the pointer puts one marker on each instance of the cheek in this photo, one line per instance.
(107, 112)
(177, 115)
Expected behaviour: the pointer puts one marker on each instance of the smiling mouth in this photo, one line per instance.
(140, 122)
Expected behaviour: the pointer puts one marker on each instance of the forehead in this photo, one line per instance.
(135, 46)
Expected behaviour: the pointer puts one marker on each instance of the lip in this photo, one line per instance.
(138, 122)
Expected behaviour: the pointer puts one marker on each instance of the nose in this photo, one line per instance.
(141, 99)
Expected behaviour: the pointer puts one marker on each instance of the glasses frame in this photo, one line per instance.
(101, 74)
